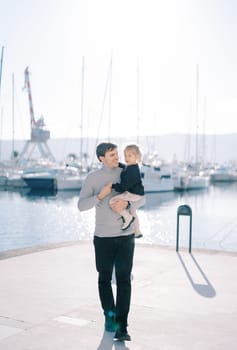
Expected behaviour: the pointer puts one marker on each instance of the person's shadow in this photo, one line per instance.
(205, 289)
(107, 343)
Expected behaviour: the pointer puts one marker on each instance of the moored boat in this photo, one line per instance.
(223, 173)
(157, 178)
(191, 182)
(61, 178)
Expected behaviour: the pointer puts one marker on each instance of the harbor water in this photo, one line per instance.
(38, 219)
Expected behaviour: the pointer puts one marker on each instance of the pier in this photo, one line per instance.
(49, 300)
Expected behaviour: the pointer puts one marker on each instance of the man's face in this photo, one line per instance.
(111, 158)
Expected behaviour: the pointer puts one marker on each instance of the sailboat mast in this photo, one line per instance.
(204, 133)
(82, 105)
(1, 128)
(107, 86)
(13, 115)
(1, 120)
(138, 102)
(197, 111)
(1, 69)
(110, 97)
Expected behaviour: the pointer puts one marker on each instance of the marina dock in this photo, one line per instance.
(49, 300)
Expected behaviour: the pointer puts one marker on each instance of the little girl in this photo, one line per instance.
(130, 187)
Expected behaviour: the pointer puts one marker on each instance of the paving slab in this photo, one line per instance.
(49, 300)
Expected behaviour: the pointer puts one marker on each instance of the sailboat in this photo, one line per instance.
(156, 175)
(192, 178)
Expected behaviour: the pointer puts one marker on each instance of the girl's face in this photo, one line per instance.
(130, 157)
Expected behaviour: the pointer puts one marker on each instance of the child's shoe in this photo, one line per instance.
(138, 234)
(127, 222)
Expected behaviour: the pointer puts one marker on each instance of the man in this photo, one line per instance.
(114, 248)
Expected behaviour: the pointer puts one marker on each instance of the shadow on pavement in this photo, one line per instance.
(107, 343)
(206, 289)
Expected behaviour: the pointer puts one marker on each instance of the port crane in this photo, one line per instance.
(39, 133)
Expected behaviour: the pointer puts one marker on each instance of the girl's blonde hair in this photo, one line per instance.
(135, 149)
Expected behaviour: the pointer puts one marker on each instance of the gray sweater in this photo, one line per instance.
(107, 223)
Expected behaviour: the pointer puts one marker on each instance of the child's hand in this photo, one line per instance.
(118, 205)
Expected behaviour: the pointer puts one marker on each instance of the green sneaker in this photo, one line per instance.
(110, 324)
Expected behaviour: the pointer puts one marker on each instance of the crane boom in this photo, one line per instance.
(38, 131)
(28, 88)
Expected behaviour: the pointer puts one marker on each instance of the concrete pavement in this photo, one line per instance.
(49, 300)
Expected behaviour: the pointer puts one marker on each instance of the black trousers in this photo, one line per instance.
(117, 253)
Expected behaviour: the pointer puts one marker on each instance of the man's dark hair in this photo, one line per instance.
(104, 147)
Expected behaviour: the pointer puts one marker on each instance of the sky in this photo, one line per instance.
(109, 68)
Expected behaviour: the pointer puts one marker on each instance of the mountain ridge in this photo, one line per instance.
(211, 148)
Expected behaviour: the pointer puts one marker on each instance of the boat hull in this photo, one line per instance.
(191, 182)
(158, 185)
(53, 180)
(157, 179)
(41, 183)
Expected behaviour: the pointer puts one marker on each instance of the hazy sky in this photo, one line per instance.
(155, 47)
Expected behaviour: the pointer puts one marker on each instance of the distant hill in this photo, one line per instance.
(213, 148)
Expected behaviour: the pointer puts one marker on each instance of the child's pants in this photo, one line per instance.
(130, 197)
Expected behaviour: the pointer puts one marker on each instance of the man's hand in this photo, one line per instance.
(105, 191)
(119, 205)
